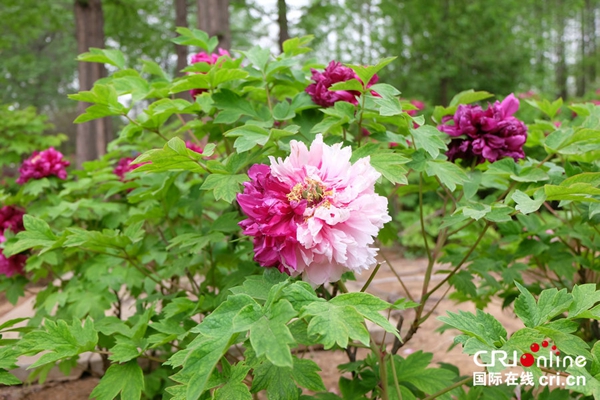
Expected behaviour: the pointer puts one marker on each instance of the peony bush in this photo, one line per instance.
(203, 255)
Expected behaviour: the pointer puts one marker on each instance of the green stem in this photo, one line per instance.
(449, 388)
(368, 282)
(455, 270)
(360, 121)
(396, 383)
(398, 277)
(382, 370)
(151, 130)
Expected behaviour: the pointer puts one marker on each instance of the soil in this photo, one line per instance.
(385, 285)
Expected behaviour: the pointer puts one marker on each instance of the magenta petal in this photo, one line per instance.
(510, 105)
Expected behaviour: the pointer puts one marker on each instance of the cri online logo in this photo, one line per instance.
(552, 358)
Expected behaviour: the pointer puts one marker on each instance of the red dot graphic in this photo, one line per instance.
(557, 353)
(534, 347)
(527, 360)
(553, 347)
(545, 343)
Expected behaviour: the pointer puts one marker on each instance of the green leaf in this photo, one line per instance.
(403, 304)
(352, 84)
(233, 391)
(283, 110)
(368, 306)
(276, 381)
(297, 46)
(335, 324)
(482, 326)
(248, 136)
(6, 378)
(413, 370)
(429, 139)
(386, 162)
(584, 298)
(527, 205)
(36, 186)
(388, 106)
(530, 174)
(305, 373)
(37, 234)
(174, 156)
(60, 340)
(195, 37)
(366, 73)
(553, 302)
(126, 379)
(270, 335)
(224, 187)
(385, 90)
(258, 56)
(107, 56)
(468, 97)
(448, 173)
(526, 307)
(200, 362)
(550, 109)
(153, 68)
(233, 106)
(575, 192)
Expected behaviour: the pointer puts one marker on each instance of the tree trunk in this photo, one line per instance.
(181, 21)
(213, 18)
(591, 41)
(283, 23)
(581, 82)
(561, 65)
(92, 136)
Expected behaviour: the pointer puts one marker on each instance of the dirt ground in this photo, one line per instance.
(384, 285)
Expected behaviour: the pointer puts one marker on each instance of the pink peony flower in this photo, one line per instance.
(334, 73)
(42, 164)
(314, 213)
(124, 166)
(490, 134)
(194, 147)
(527, 95)
(209, 59)
(420, 106)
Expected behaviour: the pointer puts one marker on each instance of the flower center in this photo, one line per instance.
(310, 190)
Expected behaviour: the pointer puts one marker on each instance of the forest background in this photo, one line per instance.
(547, 47)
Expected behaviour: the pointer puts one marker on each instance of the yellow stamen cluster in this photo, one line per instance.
(310, 190)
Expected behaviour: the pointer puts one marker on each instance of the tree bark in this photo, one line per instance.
(181, 21)
(213, 18)
(283, 23)
(92, 136)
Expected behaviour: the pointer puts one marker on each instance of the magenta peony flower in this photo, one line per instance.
(194, 147)
(12, 265)
(209, 59)
(124, 166)
(42, 164)
(334, 73)
(11, 218)
(490, 134)
(314, 213)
